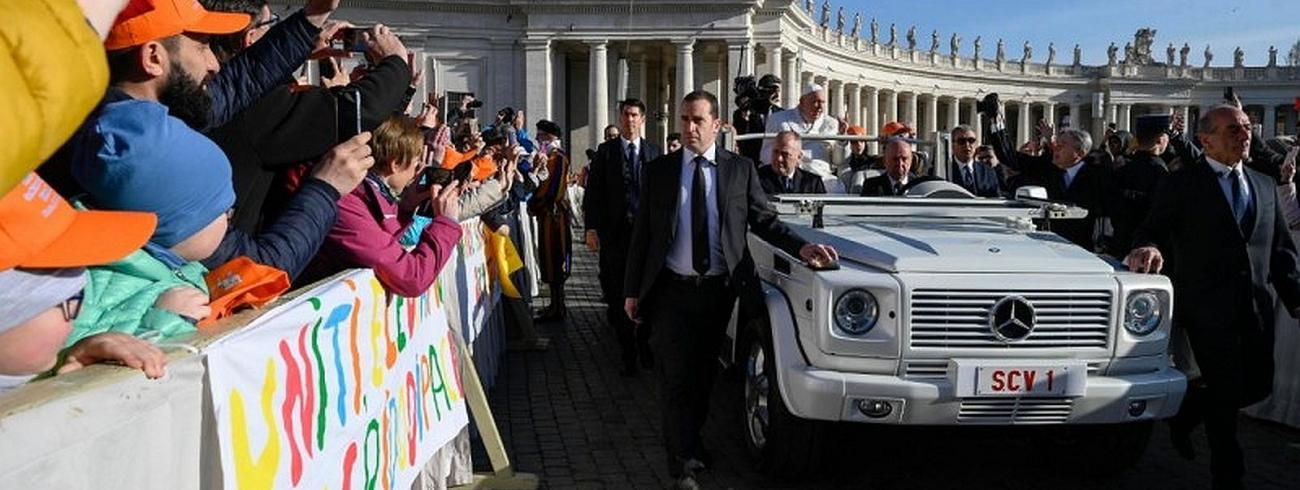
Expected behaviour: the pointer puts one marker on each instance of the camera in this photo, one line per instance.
(352, 39)
(755, 95)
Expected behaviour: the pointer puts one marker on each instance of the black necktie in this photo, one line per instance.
(634, 180)
(699, 220)
(970, 180)
(898, 189)
(789, 184)
(1238, 198)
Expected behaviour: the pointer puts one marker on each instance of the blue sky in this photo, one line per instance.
(1093, 24)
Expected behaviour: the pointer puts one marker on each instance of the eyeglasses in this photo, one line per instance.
(966, 141)
(71, 307)
(268, 22)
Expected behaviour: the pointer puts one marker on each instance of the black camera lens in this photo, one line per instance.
(475, 104)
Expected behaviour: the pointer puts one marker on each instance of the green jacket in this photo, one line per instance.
(119, 297)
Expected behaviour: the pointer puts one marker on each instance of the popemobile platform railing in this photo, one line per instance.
(337, 385)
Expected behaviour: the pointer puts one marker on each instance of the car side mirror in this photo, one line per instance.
(1031, 192)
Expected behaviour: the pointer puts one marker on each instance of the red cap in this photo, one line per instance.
(150, 20)
(895, 128)
(39, 229)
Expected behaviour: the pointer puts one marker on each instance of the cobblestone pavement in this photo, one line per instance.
(567, 416)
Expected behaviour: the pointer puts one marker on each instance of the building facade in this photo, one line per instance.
(571, 60)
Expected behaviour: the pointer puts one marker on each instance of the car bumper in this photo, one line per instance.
(818, 394)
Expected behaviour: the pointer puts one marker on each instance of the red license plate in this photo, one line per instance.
(1020, 381)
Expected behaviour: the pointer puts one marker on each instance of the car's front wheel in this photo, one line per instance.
(782, 444)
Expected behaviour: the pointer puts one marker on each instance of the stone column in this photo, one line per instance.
(1185, 112)
(790, 82)
(774, 62)
(641, 79)
(1291, 117)
(891, 108)
(1049, 113)
(930, 123)
(855, 102)
(1023, 122)
(1125, 118)
(871, 121)
(954, 116)
(1270, 121)
(910, 115)
(537, 79)
(1076, 110)
(972, 113)
(685, 69)
(836, 89)
(599, 89)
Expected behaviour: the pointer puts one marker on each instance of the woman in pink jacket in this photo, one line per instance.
(372, 218)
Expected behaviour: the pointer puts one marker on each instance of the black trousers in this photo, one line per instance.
(689, 322)
(1236, 371)
(613, 262)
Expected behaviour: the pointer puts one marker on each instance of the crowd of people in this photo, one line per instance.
(181, 143)
(177, 141)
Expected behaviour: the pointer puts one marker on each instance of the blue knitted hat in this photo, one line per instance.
(138, 158)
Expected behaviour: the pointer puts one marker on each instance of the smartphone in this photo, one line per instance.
(352, 39)
(347, 111)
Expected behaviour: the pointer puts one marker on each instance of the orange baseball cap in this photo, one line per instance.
(856, 130)
(150, 20)
(894, 128)
(39, 229)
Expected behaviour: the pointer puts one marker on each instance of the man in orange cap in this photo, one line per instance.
(165, 85)
(45, 246)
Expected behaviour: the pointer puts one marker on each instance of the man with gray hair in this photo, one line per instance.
(808, 118)
(1061, 170)
(1235, 261)
(980, 179)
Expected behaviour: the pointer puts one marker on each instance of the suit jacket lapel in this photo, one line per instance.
(1218, 204)
(722, 179)
(673, 186)
(1258, 201)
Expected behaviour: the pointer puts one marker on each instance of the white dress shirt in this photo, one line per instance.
(1225, 184)
(679, 253)
(792, 120)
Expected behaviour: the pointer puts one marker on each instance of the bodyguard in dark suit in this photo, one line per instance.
(1223, 224)
(784, 176)
(981, 180)
(898, 176)
(688, 251)
(609, 205)
(1136, 181)
(1062, 170)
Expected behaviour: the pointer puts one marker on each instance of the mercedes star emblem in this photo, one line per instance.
(1011, 318)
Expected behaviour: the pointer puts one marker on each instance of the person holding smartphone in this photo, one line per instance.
(370, 225)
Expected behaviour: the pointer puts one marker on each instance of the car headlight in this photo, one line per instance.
(856, 312)
(1143, 311)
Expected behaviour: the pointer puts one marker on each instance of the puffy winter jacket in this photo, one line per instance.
(52, 72)
(119, 297)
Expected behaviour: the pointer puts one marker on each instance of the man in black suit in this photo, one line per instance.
(898, 176)
(609, 205)
(1136, 181)
(1222, 223)
(981, 180)
(688, 253)
(784, 175)
(1062, 170)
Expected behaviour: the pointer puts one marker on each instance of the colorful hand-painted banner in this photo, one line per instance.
(475, 297)
(341, 389)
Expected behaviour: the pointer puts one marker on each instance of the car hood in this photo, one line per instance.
(951, 245)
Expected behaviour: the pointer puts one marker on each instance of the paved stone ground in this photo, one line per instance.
(567, 416)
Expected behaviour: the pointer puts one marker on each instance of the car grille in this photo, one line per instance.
(1015, 410)
(959, 319)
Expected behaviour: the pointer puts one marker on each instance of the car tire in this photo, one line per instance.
(782, 445)
(1109, 449)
